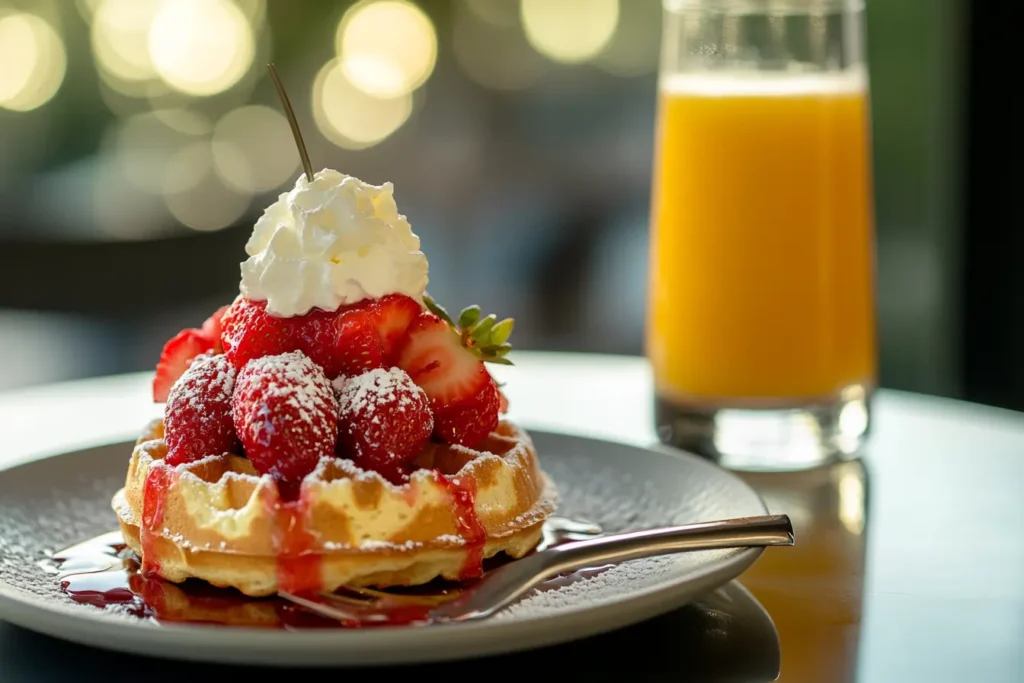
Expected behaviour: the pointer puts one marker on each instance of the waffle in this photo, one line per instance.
(217, 520)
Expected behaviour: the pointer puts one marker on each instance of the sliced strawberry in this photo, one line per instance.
(285, 414)
(469, 421)
(197, 417)
(395, 312)
(175, 358)
(212, 326)
(434, 357)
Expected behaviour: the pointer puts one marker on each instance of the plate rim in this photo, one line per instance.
(385, 645)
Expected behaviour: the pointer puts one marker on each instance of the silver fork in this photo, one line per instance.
(501, 587)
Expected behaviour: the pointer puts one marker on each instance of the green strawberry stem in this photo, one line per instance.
(486, 338)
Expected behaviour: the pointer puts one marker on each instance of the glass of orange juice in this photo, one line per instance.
(761, 320)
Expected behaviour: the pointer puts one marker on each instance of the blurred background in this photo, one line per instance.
(140, 139)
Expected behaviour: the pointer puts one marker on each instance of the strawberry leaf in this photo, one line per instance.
(501, 331)
(469, 316)
(437, 310)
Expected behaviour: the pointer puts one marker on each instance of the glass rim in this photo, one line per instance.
(740, 7)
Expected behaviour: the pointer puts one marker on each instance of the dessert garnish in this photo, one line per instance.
(333, 426)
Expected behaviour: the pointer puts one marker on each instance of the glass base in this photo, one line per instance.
(768, 439)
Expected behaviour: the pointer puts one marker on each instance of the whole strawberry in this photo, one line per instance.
(468, 422)
(248, 332)
(384, 420)
(285, 414)
(343, 342)
(197, 417)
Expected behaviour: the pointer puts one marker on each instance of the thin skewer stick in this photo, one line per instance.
(293, 122)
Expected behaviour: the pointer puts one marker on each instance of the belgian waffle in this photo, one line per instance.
(218, 520)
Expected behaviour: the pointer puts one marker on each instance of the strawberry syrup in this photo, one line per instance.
(159, 479)
(106, 574)
(298, 570)
(463, 495)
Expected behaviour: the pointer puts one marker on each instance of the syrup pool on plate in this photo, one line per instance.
(105, 573)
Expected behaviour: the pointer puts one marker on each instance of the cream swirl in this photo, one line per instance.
(331, 242)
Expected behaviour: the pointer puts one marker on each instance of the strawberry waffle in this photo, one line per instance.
(333, 426)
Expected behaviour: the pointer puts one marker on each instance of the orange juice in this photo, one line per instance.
(762, 250)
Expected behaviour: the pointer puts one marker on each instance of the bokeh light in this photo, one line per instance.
(87, 8)
(387, 48)
(254, 10)
(145, 145)
(201, 47)
(635, 47)
(496, 12)
(187, 167)
(208, 204)
(494, 54)
(253, 149)
(569, 31)
(348, 116)
(120, 41)
(32, 61)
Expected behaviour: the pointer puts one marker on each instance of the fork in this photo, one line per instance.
(501, 587)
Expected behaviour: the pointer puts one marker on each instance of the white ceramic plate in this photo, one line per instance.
(55, 502)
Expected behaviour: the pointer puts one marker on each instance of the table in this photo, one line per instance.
(909, 563)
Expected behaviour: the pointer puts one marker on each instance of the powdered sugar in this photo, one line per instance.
(296, 379)
(363, 394)
(285, 413)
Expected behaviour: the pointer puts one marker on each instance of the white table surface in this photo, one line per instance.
(945, 492)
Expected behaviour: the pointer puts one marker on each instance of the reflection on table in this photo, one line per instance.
(725, 636)
(814, 590)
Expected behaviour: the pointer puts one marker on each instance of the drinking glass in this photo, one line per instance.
(761, 320)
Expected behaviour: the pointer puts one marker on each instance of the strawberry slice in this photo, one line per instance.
(212, 327)
(433, 355)
(395, 312)
(175, 358)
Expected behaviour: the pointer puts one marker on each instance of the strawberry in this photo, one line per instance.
(248, 332)
(502, 402)
(469, 421)
(197, 417)
(384, 420)
(395, 312)
(211, 328)
(344, 342)
(175, 358)
(447, 359)
(357, 346)
(434, 357)
(285, 414)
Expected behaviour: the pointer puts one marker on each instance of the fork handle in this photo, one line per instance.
(744, 532)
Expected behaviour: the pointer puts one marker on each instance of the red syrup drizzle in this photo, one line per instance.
(463, 494)
(159, 480)
(299, 571)
(104, 573)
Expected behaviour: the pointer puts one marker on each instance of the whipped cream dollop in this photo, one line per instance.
(331, 242)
